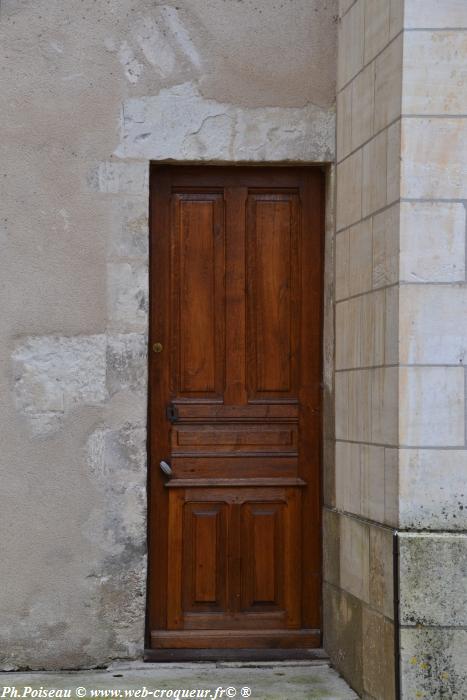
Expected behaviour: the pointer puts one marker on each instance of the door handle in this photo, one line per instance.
(166, 468)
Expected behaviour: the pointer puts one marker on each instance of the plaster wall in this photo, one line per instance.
(91, 92)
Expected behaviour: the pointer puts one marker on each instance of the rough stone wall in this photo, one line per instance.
(360, 515)
(91, 92)
(400, 347)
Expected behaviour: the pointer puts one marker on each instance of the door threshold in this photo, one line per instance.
(167, 655)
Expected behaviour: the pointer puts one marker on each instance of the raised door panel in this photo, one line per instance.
(198, 558)
(198, 295)
(273, 280)
(262, 556)
(204, 565)
(270, 557)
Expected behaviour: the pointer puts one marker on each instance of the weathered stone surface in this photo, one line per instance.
(54, 374)
(427, 563)
(434, 663)
(433, 492)
(117, 464)
(127, 362)
(128, 294)
(379, 668)
(180, 124)
(129, 237)
(382, 570)
(343, 634)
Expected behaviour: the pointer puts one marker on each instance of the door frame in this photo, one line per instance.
(240, 654)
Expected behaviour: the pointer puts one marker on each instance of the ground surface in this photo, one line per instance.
(306, 680)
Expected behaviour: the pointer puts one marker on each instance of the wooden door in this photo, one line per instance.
(234, 410)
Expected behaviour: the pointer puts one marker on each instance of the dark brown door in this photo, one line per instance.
(235, 369)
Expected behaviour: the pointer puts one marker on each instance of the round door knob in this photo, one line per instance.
(157, 347)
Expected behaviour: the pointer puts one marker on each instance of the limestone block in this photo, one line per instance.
(344, 122)
(366, 481)
(331, 539)
(435, 73)
(432, 241)
(363, 91)
(342, 406)
(349, 191)
(393, 184)
(433, 663)
(426, 562)
(54, 374)
(342, 265)
(433, 492)
(431, 406)
(360, 326)
(180, 124)
(379, 671)
(434, 158)
(391, 486)
(372, 482)
(432, 331)
(360, 257)
(384, 405)
(359, 405)
(348, 477)
(120, 177)
(127, 363)
(391, 326)
(366, 405)
(345, 5)
(382, 570)
(374, 185)
(388, 84)
(351, 44)
(435, 14)
(355, 557)
(396, 17)
(377, 14)
(128, 294)
(386, 247)
(343, 633)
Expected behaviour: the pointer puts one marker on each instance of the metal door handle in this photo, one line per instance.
(166, 468)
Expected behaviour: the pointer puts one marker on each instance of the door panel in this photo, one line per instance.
(235, 302)
(272, 231)
(198, 263)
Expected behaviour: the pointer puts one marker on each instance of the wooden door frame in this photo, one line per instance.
(155, 293)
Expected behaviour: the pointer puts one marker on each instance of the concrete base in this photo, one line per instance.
(267, 681)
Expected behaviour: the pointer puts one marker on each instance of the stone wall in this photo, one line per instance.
(433, 351)
(400, 349)
(91, 92)
(361, 515)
